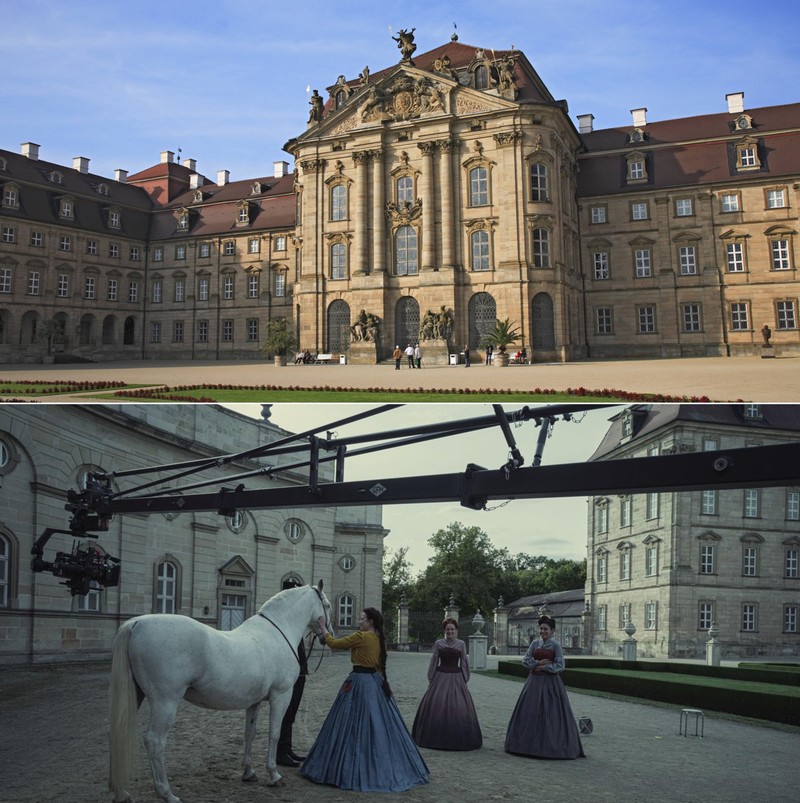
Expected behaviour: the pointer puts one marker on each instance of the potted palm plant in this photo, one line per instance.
(280, 340)
(500, 337)
(50, 331)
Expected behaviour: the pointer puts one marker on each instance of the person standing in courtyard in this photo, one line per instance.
(397, 356)
(466, 356)
(364, 744)
(418, 356)
(410, 355)
(543, 725)
(446, 718)
(489, 352)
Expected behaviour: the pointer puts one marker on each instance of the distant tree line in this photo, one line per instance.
(467, 565)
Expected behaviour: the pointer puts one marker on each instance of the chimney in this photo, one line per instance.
(191, 164)
(194, 181)
(639, 118)
(31, 150)
(280, 169)
(120, 175)
(585, 123)
(80, 163)
(735, 102)
(167, 156)
(222, 177)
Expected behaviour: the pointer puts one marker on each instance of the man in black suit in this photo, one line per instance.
(286, 756)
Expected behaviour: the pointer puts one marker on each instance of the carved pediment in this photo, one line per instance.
(400, 214)
(404, 96)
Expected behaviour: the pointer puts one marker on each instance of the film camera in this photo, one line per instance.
(86, 563)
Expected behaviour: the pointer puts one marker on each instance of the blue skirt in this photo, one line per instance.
(364, 744)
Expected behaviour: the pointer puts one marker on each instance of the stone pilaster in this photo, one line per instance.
(428, 207)
(378, 216)
(360, 213)
(446, 147)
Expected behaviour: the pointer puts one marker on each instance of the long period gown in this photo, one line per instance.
(446, 718)
(543, 725)
(364, 744)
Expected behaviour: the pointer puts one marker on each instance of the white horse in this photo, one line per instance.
(166, 658)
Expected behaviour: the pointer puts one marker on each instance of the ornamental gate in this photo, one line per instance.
(543, 322)
(407, 324)
(338, 326)
(482, 317)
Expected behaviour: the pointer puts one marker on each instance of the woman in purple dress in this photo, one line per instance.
(543, 725)
(446, 718)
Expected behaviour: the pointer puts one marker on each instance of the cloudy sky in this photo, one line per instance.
(556, 528)
(224, 82)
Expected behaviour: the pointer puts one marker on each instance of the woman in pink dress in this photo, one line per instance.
(543, 725)
(446, 718)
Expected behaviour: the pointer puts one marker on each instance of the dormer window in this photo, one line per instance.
(183, 220)
(636, 168)
(481, 77)
(198, 196)
(102, 189)
(743, 122)
(752, 412)
(114, 219)
(636, 135)
(339, 98)
(56, 177)
(242, 213)
(66, 209)
(11, 196)
(3, 163)
(256, 189)
(747, 155)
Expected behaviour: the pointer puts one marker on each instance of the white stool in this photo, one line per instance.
(699, 722)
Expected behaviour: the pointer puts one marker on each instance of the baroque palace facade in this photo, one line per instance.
(673, 564)
(427, 200)
(215, 568)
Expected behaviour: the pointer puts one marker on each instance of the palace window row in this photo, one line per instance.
(175, 331)
(751, 557)
(252, 246)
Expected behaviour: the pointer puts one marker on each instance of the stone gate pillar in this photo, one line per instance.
(501, 627)
(402, 626)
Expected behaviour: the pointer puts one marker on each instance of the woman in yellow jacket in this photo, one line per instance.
(364, 743)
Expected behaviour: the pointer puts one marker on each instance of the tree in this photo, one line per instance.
(280, 339)
(397, 581)
(501, 336)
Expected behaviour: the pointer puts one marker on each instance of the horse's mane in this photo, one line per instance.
(281, 603)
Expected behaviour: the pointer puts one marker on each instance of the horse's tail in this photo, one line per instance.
(122, 708)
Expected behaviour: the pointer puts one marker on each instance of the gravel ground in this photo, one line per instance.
(54, 723)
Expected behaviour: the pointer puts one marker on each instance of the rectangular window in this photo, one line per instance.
(790, 618)
(600, 262)
(643, 263)
(253, 245)
(652, 506)
(688, 259)
(252, 285)
(749, 621)
(177, 331)
(205, 250)
(227, 288)
(62, 288)
(683, 207)
(647, 320)
(339, 202)
(650, 615)
(180, 252)
(602, 617)
(541, 249)
(158, 253)
(202, 331)
(155, 331)
(180, 289)
(34, 279)
(751, 503)
(636, 170)
(691, 318)
(244, 214)
(280, 284)
(785, 313)
(156, 295)
(252, 330)
(604, 321)
(624, 614)
(749, 561)
(478, 186)
(708, 504)
(5, 280)
(202, 288)
(89, 288)
(734, 256)
(133, 254)
(780, 255)
(133, 292)
(625, 565)
(776, 199)
(66, 209)
(707, 559)
(91, 247)
(227, 330)
(739, 317)
(602, 569)
(65, 243)
(113, 220)
(602, 519)
(729, 202)
(639, 211)
(10, 197)
(90, 602)
(598, 214)
(112, 289)
(338, 261)
(651, 561)
(747, 157)
(625, 511)
(539, 183)
(705, 617)
(280, 243)
(793, 505)
(230, 248)
(9, 234)
(113, 251)
(37, 239)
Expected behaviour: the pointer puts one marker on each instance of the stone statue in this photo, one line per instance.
(365, 328)
(373, 102)
(316, 103)
(364, 76)
(766, 333)
(442, 66)
(405, 42)
(507, 80)
(427, 326)
(444, 324)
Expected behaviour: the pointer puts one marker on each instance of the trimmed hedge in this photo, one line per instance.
(731, 690)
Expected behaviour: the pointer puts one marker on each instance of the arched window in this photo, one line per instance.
(129, 331)
(478, 186)
(338, 326)
(541, 248)
(480, 250)
(166, 587)
(340, 98)
(539, 182)
(338, 261)
(339, 202)
(405, 250)
(482, 318)
(481, 77)
(405, 190)
(345, 610)
(407, 320)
